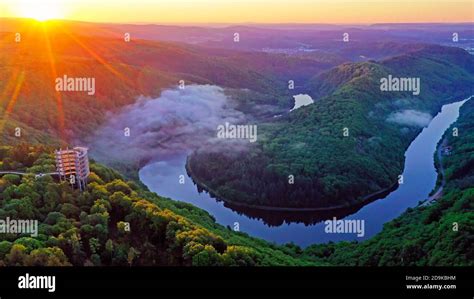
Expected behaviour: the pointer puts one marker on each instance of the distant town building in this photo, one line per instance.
(73, 165)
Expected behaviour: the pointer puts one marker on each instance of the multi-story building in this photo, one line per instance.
(73, 164)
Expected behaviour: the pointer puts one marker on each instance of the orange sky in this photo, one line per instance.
(243, 11)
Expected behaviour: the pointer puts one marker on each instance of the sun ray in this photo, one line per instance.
(16, 71)
(11, 104)
(10, 83)
(15, 94)
(54, 75)
(99, 59)
(14, 84)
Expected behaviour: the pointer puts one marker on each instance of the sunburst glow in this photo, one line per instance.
(261, 11)
(40, 10)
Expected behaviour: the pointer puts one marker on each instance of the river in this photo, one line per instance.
(419, 175)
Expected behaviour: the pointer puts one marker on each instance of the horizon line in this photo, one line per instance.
(240, 23)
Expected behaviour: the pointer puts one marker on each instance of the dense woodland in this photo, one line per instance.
(331, 169)
(90, 228)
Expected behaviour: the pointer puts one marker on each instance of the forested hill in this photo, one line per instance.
(407, 64)
(439, 234)
(115, 222)
(331, 169)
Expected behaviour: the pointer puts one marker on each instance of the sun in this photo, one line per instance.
(41, 10)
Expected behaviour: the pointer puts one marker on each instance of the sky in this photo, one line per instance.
(243, 11)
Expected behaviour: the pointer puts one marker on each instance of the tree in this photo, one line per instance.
(118, 186)
(29, 243)
(132, 255)
(207, 257)
(94, 245)
(16, 256)
(5, 247)
(12, 179)
(51, 256)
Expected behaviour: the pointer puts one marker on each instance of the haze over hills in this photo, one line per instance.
(145, 67)
(122, 72)
(258, 37)
(253, 74)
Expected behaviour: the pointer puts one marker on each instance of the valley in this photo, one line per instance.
(151, 119)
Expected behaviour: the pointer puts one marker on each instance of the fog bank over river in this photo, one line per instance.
(177, 121)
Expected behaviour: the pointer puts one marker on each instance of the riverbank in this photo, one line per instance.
(441, 179)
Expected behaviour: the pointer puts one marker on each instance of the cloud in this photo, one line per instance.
(411, 118)
(177, 122)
